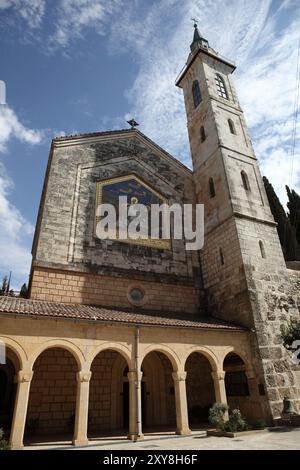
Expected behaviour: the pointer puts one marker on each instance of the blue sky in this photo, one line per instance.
(88, 65)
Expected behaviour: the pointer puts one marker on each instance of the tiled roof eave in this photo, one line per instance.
(86, 313)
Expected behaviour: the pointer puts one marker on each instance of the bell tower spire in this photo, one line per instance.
(198, 40)
(241, 244)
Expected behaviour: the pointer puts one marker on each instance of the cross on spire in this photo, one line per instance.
(133, 123)
(195, 20)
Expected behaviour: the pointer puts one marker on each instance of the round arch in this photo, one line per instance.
(14, 360)
(119, 348)
(170, 353)
(61, 344)
(157, 388)
(209, 355)
(241, 354)
(109, 399)
(17, 349)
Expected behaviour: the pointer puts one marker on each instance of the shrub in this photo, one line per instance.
(236, 422)
(3, 442)
(217, 415)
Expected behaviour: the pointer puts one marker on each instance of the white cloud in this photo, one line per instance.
(11, 127)
(250, 32)
(31, 11)
(15, 231)
(74, 16)
(15, 235)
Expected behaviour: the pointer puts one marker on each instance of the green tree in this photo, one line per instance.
(294, 211)
(290, 332)
(24, 291)
(4, 286)
(286, 231)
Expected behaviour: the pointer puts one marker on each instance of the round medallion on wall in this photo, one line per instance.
(136, 295)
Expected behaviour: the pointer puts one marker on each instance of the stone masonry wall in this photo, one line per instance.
(275, 299)
(72, 287)
(199, 385)
(52, 399)
(102, 392)
(65, 234)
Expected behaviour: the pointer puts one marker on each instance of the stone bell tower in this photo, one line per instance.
(241, 249)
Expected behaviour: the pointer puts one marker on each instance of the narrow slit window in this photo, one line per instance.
(221, 256)
(221, 88)
(202, 134)
(231, 126)
(262, 249)
(196, 93)
(211, 185)
(245, 180)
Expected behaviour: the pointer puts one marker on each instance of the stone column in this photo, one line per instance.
(220, 390)
(135, 406)
(258, 403)
(252, 383)
(182, 420)
(219, 385)
(82, 408)
(23, 379)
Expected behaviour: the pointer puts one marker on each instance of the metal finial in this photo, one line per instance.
(195, 20)
(133, 123)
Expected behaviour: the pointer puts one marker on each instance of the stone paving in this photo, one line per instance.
(275, 439)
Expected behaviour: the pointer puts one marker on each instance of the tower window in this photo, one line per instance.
(202, 134)
(245, 181)
(231, 126)
(262, 249)
(211, 186)
(221, 88)
(221, 256)
(196, 93)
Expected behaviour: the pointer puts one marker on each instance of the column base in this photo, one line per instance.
(183, 432)
(16, 446)
(79, 442)
(135, 437)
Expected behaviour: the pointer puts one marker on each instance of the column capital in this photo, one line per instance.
(179, 376)
(134, 375)
(24, 376)
(218, 374)
(250, 374)
(83, 376)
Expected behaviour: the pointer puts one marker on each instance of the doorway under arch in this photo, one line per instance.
(199, 389)
(8, 389)
(109, 394)
(158, 393)
(52, 397)
(236, 384)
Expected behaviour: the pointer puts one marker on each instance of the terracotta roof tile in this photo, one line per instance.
(25, 307)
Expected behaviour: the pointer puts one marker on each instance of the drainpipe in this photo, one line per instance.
(138, 402)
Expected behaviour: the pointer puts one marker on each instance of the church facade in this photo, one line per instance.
(148, 335)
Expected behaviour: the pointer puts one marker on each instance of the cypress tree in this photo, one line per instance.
(24, 291)
(3, 288)
(294, 211)
(286, 232)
